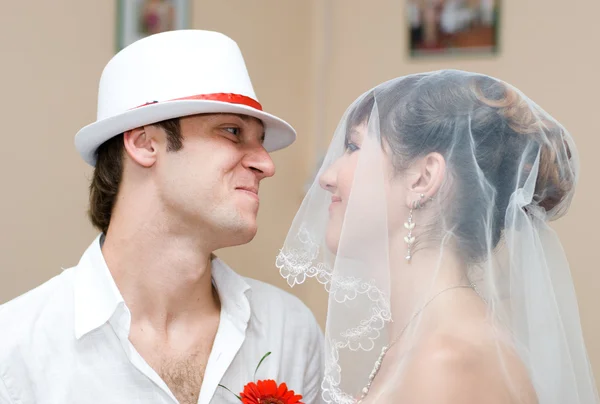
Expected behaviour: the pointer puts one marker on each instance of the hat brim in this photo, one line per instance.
(278, 133)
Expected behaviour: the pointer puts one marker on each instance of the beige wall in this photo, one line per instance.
(53, 52)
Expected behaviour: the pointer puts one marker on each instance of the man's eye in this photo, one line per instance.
(233, 131)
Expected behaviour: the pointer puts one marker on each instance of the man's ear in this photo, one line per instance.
(427, 177)
(140, 146)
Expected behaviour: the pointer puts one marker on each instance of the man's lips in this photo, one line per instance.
(249, 190)
(254, 190)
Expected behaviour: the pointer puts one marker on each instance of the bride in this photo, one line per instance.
(428, 226)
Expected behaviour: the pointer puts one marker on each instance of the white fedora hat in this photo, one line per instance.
(175, 74)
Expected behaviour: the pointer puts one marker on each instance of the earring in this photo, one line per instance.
(409, 239)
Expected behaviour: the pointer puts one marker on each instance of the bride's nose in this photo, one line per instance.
(328, 179)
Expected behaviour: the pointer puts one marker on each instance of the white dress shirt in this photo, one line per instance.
(67, 341)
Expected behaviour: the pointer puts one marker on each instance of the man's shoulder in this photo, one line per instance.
(268, 298)
(269, 294)
(32, 307)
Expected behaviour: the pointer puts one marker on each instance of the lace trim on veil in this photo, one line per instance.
(295, 265)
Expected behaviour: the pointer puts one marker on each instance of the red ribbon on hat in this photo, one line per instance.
(223, 97)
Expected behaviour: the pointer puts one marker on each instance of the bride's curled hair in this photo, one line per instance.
(492, 138)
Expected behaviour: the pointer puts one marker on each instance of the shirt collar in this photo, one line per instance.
(97, 297)
(233, 293)
(95, 292)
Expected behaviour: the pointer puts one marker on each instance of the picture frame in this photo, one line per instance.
(137, 19)
(453, 27)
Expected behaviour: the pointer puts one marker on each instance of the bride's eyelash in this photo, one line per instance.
(351, 147)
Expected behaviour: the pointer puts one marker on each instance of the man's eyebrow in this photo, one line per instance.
(248, 118)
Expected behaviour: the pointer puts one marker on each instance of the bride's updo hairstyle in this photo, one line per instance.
(491, 136)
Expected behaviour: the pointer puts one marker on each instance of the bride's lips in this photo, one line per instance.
(334, 201)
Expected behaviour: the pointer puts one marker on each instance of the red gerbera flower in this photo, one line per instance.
(267, 392)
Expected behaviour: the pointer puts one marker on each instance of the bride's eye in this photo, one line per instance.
(351, 147)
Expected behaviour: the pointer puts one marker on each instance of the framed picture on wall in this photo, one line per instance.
(438, 27)
(140, 18)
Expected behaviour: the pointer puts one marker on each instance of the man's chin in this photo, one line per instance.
(242, 233)
(244, 237)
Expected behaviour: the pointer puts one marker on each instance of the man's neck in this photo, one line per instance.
(165, 278)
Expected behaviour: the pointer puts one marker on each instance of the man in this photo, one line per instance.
(150, 315)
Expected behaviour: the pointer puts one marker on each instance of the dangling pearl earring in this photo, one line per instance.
(409, 239)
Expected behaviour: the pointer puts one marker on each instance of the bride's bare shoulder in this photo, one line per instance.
(471, 367)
